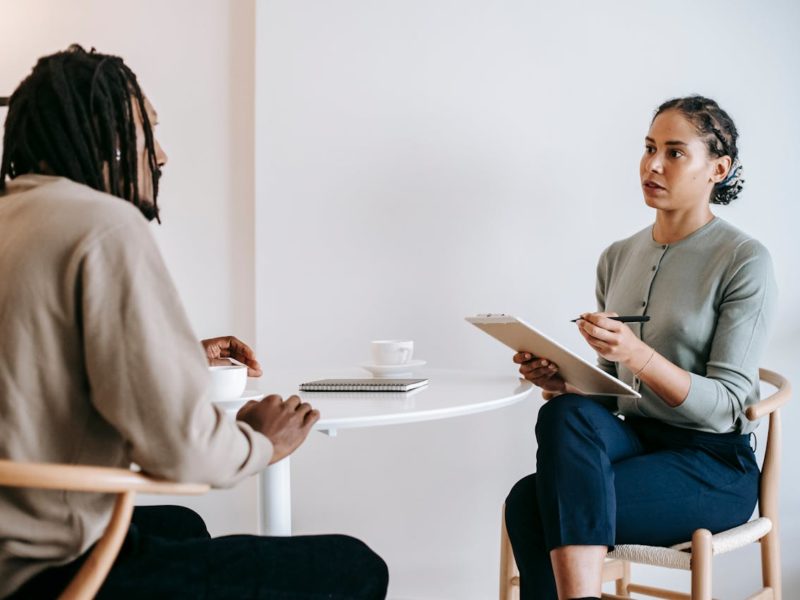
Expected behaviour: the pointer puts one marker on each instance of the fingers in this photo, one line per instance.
(247, 407)
(232, 347)
(599, 327)
(601, 320)
(292, 402)
(311, 417)
(538, 368)
(522, 357)
(307, 414)
(219, 362)
(293, 405)
(273, 399)
(244, 354)
(596, 344)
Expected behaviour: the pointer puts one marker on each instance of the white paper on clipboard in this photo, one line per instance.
(575, 370)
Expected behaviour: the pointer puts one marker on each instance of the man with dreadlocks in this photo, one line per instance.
(87, 313)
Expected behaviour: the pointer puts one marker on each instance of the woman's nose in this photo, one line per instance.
(654, 164)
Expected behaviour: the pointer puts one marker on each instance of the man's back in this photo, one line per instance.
(98, 365)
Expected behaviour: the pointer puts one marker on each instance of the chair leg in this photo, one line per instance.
(509, 582)
(91, 575)
(623, 582)
(618, 571)
(771, 563)
(701, 565)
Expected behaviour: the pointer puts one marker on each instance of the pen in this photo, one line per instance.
(625, 319)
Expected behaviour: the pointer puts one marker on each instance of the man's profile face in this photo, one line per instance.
(145, 179)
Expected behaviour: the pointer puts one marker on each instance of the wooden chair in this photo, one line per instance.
(122, 482)
(696, 555)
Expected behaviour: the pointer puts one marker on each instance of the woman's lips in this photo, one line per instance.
(652, 185)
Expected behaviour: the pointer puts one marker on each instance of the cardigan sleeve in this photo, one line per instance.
(717, 398)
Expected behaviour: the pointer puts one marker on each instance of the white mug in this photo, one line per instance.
(392, 352)
(227, 382)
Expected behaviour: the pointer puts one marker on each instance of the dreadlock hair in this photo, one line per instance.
(73, 117)
(717, 128)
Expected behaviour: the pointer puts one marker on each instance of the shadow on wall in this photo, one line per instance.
(241, 162)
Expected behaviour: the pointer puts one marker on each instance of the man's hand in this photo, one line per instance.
(285, 423)
(218, 350)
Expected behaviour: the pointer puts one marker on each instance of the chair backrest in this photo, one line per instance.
(82, 478)
(771, 466)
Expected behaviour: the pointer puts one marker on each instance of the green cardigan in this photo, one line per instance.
(711, 298)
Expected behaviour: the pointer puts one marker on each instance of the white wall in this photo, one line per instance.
(419, 161)
(194, 59)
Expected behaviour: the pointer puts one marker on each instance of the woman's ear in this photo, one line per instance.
(720, 168)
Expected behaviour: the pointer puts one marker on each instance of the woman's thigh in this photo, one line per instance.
(663, 496)
(571, 424)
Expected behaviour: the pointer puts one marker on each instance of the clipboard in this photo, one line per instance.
(575, 370)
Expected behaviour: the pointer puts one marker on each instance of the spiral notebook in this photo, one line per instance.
(372, 384)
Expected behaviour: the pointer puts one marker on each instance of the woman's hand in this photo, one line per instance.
(218, 350)
(611, 339)
(541, 372)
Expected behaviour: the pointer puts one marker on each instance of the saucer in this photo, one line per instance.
(246, 395)
(403, 370)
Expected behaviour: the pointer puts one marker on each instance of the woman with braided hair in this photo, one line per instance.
(680, 459)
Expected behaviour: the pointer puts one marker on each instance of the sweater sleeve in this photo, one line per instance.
(717, 398)
(603, 276)
(608, 366)
(147, 373)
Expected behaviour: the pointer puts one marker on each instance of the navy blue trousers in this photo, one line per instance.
(169, 554)
(603, 481)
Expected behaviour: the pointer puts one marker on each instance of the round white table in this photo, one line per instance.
(450, 393)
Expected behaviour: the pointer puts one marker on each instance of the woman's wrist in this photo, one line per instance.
(640, 359)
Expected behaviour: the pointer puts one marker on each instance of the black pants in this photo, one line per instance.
(168, 553)
(601, 480)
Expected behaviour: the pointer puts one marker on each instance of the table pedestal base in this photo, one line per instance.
(275, 502)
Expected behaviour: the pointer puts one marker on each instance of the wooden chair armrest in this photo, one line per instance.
(775, 401)
(80, 478)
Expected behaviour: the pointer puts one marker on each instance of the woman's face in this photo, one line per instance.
(676, 171)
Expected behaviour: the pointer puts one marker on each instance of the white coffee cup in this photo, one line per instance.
(392, 352)
(227, 382)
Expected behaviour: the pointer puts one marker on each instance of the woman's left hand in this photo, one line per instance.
(611, 339)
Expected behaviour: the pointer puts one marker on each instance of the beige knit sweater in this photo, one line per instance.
(98, 366)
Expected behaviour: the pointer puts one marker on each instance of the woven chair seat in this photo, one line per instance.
(679, 556)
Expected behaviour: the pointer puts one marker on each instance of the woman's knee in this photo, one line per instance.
(521, 505)
(563, 413)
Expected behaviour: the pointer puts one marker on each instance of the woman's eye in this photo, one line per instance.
(675, 153)
(649, 149)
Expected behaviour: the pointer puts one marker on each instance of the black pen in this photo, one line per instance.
(624, 319)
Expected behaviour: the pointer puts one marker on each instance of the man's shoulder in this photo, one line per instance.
(95, 208)
(76, 212)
